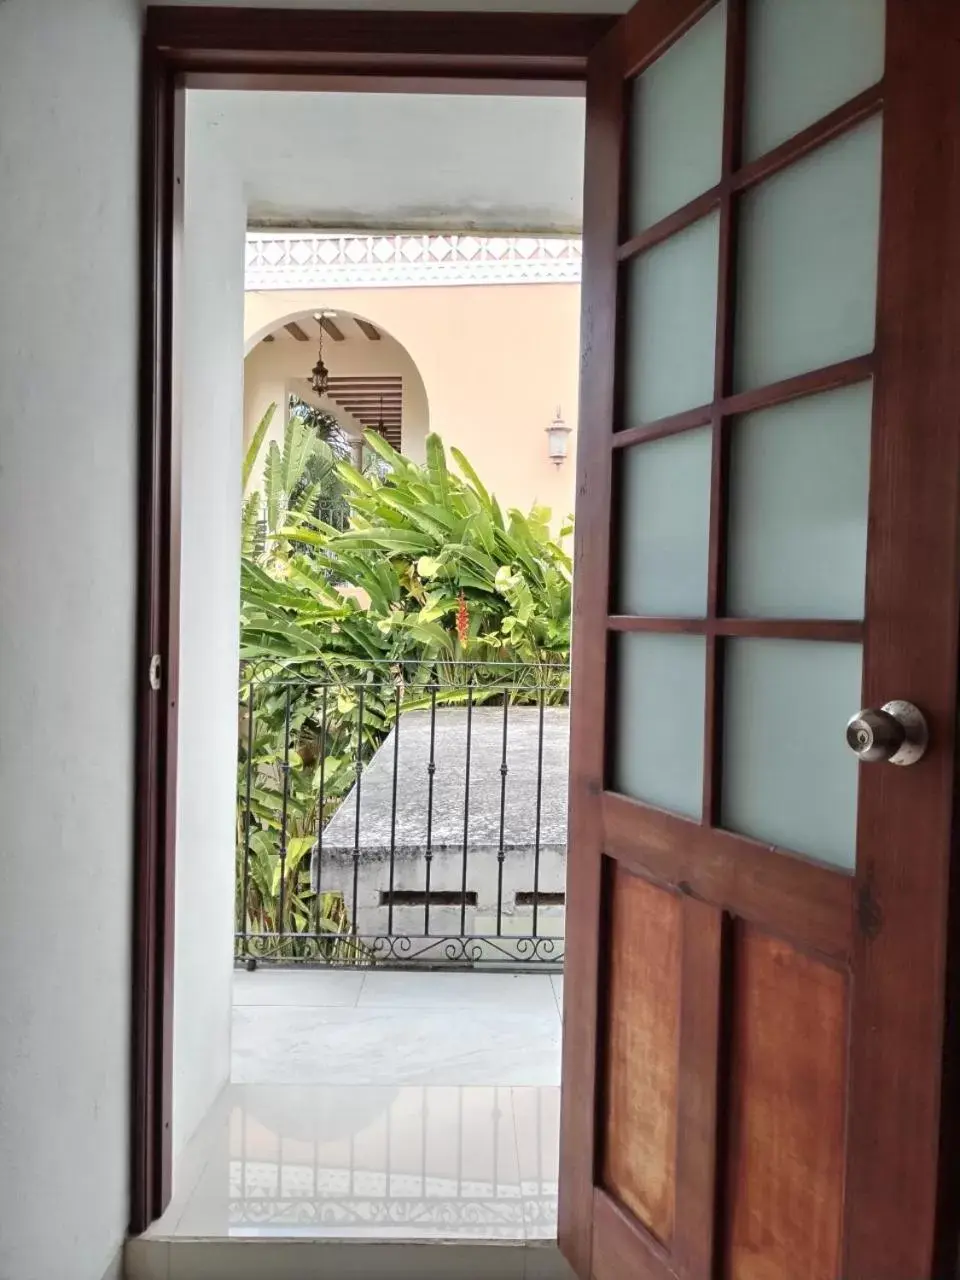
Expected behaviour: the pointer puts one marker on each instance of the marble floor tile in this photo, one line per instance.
(408, 1162)
(404, 990)
(330, 988)
(475, 1045)
(373, 1107)
(557, 980)
(192, 1162)
(537, 1117)
(146, 1259)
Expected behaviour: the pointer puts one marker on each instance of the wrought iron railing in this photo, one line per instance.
(402, 814)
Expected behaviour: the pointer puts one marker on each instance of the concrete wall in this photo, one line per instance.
(404, 811)
(214, 229)
(446, 877)
(496, 361)
(69, 102)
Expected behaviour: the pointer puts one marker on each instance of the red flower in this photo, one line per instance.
(463, 620)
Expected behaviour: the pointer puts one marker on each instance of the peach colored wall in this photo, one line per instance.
(496, 361)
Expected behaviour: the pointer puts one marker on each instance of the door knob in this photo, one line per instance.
(895, 732)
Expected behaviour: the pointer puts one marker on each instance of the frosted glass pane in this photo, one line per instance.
(658, 720)
(672, 324)
(797, 533)
(788, 777)
(805, 58)
(676, 123)
(809, 240)
(665, 526)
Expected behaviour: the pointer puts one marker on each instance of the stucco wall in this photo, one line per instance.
(496, 362)
(214, 228)
(69, 101)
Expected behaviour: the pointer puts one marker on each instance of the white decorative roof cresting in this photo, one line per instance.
(308, 260)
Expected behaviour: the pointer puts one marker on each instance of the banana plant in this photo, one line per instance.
(429, 575)
(427, 546)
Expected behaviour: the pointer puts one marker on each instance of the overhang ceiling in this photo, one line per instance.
(424, 6)
(433, 162)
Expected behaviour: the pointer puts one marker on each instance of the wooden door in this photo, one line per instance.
(756, 1057)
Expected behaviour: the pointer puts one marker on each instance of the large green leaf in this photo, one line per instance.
(256, 443)
(471, 475)
(437, 468)
(385, 450)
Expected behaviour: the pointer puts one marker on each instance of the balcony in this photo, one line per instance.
(401, 841)
(370, 1107)
(404, 818)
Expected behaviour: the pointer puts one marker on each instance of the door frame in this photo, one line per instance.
(222, 48)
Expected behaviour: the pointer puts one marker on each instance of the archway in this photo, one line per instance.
(374, 381)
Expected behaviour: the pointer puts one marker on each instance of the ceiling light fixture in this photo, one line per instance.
(320, 374)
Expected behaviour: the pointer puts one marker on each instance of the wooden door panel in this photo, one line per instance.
(621, 1246)
(642, 1055)
(754, 1040)
(794, 897)
(785, 1111)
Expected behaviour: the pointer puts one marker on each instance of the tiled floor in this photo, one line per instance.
(425, 1162)
(396, 1028)
(382, 1107)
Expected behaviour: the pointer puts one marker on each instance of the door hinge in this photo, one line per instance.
(155, 673)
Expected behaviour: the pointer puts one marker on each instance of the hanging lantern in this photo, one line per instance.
(320, 374)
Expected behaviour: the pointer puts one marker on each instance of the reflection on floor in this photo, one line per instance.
(472, 1162)
(381, 1107)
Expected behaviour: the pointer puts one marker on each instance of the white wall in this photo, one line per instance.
(212, 407)
(69, 106)
(68, 438)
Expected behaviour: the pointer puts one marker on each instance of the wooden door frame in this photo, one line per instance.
(249, 49)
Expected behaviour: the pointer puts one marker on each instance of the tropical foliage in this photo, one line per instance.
(429, 569)
(429, 588)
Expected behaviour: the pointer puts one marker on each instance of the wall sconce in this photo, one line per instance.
(558, 438)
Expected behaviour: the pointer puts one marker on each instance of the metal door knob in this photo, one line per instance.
(895, 732)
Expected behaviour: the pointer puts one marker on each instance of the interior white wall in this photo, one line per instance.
(69, 109)
(69, 103)
(212, 413)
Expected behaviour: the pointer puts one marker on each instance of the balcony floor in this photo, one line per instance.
(389, 1106)
(396, 1028)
